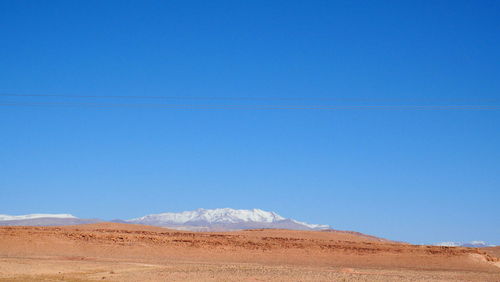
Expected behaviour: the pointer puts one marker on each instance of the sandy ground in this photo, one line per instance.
(123, 252)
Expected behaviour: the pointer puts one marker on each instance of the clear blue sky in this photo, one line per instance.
(421, 176)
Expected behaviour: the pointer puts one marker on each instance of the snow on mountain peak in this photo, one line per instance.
(473, 244)
(225, 216)
(196, 220)
(4, 217)
(312, 226)
(448, 244)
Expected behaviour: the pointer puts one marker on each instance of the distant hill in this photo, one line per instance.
(43, 220)
(472, 244)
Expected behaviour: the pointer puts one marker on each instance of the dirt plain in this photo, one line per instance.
(126, 252)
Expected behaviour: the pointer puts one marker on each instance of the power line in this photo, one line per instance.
(259, 107)
(202, 98)
(245, 105)
(205, 98)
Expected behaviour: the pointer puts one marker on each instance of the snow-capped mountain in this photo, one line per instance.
(224, 219)
(213, 216)
(472, 244)
(41, 219)
(4, 217)
(197, 220)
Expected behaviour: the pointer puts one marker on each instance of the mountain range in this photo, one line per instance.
(472, 244)
(43, 220)
(224, 219)
(197, 220)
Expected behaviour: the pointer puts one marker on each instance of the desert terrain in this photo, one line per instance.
(127, 252)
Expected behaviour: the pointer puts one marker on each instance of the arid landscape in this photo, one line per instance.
(199, 140)
(128, 252)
